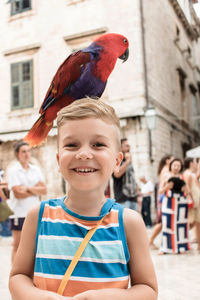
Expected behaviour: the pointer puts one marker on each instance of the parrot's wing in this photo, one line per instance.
(68, 73)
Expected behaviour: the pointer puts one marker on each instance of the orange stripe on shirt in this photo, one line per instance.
(60, 214)
(76, 287)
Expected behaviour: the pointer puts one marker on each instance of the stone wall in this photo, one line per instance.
(50, 31)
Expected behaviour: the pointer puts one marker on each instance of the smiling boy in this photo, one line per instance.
(88, 153)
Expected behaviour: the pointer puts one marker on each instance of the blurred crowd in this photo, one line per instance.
(175, 197)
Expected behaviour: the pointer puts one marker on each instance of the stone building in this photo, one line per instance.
(163, 71)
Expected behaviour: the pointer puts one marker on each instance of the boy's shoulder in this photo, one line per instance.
(132, 219)
(128, 215)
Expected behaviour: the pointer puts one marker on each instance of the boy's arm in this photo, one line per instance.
(143, 278)
(21, 277)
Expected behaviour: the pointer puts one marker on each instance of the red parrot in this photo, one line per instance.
(83, 73)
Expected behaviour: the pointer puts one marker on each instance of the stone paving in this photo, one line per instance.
(178, 275)
(5, 264)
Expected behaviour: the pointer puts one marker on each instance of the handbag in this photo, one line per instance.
(5, 211)
(76, 257)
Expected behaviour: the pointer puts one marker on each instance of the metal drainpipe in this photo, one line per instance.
(145, 75)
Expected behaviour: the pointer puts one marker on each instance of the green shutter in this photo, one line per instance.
(22, 85)
(15, 78)
(27, 86)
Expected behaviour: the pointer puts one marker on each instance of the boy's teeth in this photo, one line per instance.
(84, 170)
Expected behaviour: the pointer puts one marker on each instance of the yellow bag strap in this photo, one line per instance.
(76, 257)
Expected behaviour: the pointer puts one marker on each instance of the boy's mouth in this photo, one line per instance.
(85, 170)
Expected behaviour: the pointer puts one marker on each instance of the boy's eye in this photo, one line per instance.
(71, 145)
(98, 145)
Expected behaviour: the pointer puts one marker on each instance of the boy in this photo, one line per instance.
(88, 153)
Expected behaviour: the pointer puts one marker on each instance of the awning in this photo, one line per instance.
(194, 153)
(19, 135)
(12, 136)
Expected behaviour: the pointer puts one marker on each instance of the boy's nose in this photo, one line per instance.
(84, 155)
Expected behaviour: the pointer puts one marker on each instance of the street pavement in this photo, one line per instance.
(5, 265)
(178, 275)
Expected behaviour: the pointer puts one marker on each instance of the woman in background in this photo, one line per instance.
(163, 171)
(175, 223)
(191, 175)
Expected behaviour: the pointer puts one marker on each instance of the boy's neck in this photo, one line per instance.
(85, 204)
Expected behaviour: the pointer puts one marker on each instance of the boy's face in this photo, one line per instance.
(88, 153)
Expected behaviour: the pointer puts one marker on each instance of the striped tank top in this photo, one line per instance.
(104, 262)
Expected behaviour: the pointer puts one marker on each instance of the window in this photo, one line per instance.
(195, 112)
(183, 99)
(195, 107)
(21, 85)
(18, 6)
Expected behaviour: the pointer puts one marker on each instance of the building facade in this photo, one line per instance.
(163, 71)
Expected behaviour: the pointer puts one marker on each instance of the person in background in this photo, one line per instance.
(3, 186)
(4, 195)
(198, 172)
(163, 171)
(146, 191)
(191, 178)
(125, 187)
(175, 205)
(26, 184)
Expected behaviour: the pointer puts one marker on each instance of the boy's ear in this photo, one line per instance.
(118, 161)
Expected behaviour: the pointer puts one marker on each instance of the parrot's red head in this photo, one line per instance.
(115, 43)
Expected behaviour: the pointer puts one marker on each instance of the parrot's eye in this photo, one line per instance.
(125, 41)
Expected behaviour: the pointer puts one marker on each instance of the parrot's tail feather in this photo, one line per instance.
(38, 132)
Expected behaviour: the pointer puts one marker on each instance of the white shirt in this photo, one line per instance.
(17, 175)
(146, 187)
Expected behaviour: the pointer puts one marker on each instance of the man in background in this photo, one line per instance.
(26, 184)
(125, 188)
(147, 189)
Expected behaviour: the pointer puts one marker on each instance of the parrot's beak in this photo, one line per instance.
(125, 55)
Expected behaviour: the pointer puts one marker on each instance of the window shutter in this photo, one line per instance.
(26, 86)
(15, 83)
(22, 85)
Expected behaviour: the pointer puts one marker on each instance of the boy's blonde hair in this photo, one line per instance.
(88, 108)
